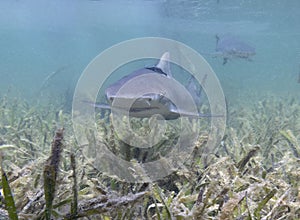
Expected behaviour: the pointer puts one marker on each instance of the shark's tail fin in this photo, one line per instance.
(217, 38)
(196, 90)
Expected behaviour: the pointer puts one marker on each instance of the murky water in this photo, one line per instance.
(40, 37)
(46, 45)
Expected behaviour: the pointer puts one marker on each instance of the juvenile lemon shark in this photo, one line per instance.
(154, 102)
(229, 47)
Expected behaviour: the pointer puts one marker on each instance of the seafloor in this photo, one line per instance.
(253, 173)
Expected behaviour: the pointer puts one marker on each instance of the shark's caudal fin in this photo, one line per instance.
(196, 90)
(225, 60)
(217, 40)
(164, 64)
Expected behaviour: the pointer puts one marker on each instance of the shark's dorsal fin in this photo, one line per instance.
(164, 64)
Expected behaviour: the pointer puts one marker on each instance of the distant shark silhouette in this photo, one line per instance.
(150, 104)
(229, 47)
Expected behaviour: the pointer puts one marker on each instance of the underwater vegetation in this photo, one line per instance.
(253, 174)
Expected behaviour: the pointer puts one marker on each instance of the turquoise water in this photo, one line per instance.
(252, 171)
(40, 37)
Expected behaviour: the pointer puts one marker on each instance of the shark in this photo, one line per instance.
(149, 104)
(229, 47)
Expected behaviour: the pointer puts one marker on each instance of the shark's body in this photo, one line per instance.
(229, 47)
(147, 104)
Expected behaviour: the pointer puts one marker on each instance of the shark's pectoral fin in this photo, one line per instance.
(98, 105)
(208, 115)
(194, 114)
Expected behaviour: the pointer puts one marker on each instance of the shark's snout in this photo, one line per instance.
(146, 98)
